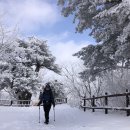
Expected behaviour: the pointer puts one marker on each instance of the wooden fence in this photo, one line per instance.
(20, 103)
(106, 98)
(60, 100)
(27, 103)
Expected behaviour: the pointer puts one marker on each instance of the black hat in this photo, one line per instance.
(48, 86)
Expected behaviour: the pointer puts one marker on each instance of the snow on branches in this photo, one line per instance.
(20, 62)
(109, 22)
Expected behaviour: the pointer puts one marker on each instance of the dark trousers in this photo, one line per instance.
(47, 108)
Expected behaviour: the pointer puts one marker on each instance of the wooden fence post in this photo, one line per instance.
(11, 102)
(93, 103)
(127, 103)
(84, 103)
(66, 100)
(106, 103)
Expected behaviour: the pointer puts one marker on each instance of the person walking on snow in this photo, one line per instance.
(47, 99)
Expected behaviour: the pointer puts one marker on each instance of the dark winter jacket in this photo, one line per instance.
(47, 98)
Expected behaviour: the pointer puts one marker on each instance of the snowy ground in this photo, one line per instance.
(67, 118)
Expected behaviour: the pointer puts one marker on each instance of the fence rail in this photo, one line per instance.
(27, 103)
(60, 100)
(21, 103)
(106, 101)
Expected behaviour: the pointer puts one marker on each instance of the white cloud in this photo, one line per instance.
(63, 48)
(64, 51)
(29, 14)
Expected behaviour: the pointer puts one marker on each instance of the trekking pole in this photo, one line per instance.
(54, 113)
(39, 113)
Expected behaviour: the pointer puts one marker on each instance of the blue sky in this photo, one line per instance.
(42, 18)
(62, 25)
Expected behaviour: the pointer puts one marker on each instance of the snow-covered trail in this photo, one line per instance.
(67, 118)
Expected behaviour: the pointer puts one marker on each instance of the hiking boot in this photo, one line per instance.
(46, 122)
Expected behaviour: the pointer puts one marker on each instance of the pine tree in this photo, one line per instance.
(109, 22)
(37, 54)
(20, 64)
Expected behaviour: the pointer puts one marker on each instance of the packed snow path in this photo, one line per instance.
(67, 118)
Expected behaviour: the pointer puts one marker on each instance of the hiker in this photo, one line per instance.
(47, 99)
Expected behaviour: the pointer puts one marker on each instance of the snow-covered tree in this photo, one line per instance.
(96, 61)
(7, 55)
(16, 76)
(20, 63)
(76, 87)
(37, 54)
(109, 22)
